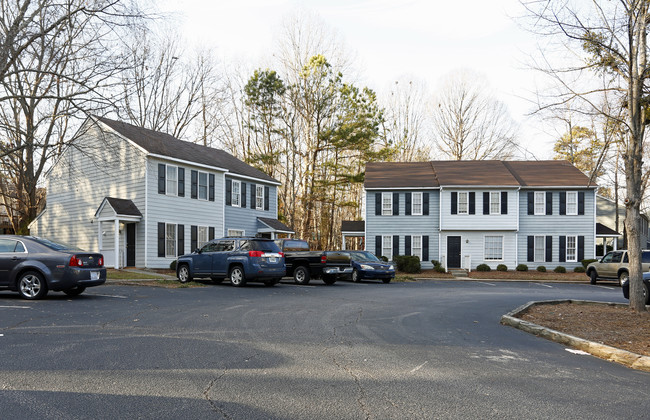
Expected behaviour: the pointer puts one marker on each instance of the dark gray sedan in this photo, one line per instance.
(32, 266)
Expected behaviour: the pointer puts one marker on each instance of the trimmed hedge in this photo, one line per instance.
(435, 263)
(522, 267)
(439, 269)
(585, 263)
(502, 267)
(407, 263)
(483, 267)
(579, 270)
(560, 269)
(541, 269)
(172, 265)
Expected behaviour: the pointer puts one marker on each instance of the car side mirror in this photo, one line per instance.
(197, 251)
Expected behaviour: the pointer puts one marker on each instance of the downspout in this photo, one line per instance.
(146, 211)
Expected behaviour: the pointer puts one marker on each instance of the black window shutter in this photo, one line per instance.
(581, 202)
(454, 203)
(425, 204)
(253, 196)
(377, 205)
(395, 245)
(562, 203)
(549, 248)
(161, 178)
(181, 182)
(504, 202)
(531, 248)
(395, 204)
(531, 203)
(242, 199)
(425, 248)
(549, 203)
(210, 233)
(194, 175)
(161, 239)
(193, 238)
(407, 245)
(267, 200)
(486, 202)
(181, 240)
(407, 205)
(228, 192)
(562, 249)
(472, 202)
(211, 187)
(581, 248)
(378, 245)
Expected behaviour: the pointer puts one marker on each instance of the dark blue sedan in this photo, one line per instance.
(646, 288)
(368, 267)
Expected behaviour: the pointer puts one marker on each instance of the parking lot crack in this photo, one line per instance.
(214, 405)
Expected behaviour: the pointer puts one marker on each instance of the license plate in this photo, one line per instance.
(273, 259)
(94, 275)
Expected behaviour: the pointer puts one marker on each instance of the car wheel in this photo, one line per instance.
(31, 285)
(216, 280)
(593, 276)
(623, 277)
(646, 294)
(355, 276)
(329, 280)
(386, 281)
(236, 276)
(184, 273)
(301, 275)
(74, 291)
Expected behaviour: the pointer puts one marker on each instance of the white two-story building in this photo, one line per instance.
(142, 198)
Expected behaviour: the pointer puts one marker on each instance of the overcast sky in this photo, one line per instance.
(422, 39)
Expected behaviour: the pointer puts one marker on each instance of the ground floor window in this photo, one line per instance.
(202, 235)
(170, 240)
(493, 248)
(416, 246)
(235, 232)
(571, 248)
(387, 247)
(540, 249)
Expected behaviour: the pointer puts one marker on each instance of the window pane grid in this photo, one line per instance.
(493, 248)
(540, 249)
(172, 184)
(462, 203)
(259, 197)
(571, 248)
(540, 203)
(387, 247)
(417, 204)
(495, 202)
(170, 240)
(416, 246)
(572, 203)
(386, 204)
(236, 193)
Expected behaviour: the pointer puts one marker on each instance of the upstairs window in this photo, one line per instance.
(203, 186)
(572, 203)
(463, 203)
(236, 194)
(416, 204)
(259, 197)
(540, 203)
(172, 180)
(386, 204)
(495, 202)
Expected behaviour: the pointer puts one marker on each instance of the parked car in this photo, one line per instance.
(304, 264)
(365, 265)
(613, 266)
(239, 259)
(646, 288)
(33, 266)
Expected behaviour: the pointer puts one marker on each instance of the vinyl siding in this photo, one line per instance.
(556, 225)
(403, 225)
(478, 220)
(245, 218)
(106, 166)
(473, 248)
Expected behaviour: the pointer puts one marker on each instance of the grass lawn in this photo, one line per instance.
(112, 274)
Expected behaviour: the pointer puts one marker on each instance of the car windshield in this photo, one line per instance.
(363, 256)
(266, 246)
(57, 246)
(296, 246)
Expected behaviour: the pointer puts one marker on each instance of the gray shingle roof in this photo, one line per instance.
(163, 144)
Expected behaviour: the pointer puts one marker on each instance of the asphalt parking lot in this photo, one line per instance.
(430, 349)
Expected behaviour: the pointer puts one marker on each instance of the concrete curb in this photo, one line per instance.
(612, 354)
(506, 280)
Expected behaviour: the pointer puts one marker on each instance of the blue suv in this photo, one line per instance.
(239, 259)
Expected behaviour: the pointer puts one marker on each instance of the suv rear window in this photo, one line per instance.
(266, 246)
(296, 246)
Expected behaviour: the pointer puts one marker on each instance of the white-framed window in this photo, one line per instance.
(495, 202)
(172, 180)
(387, 247)
(203, 186)
(463, 203)
(259, 197)
(572, 203)
(416, 204)
(202, 235)
(540, 249)
(572, 248)
(493, 248)
(416, 246)
(540, 203)
(235, 232)
(235, 197)
(386, 204)
(170, 240)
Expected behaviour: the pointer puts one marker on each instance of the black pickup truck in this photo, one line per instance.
(305, 265)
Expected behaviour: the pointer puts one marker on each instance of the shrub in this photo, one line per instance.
(435, 263)
(407, 263)
(172, 265)
(585, 263)
(541, 268)
(440, 269)
(502, 267)
(483, 267)
(560, 269)
(579, 270)
(383, 258)
(522, 267)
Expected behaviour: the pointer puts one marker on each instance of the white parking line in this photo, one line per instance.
(606, 287)
(16, 307)
(489, 284)
(419, 367)
(545, 285)
(113, 296)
